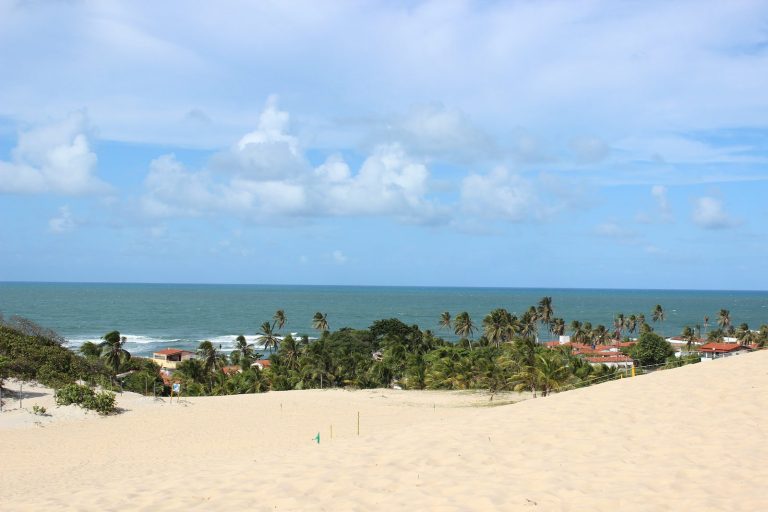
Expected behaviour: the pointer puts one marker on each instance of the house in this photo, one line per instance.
(613, 360)
(712, 351)
(169, 358)
(261, 364)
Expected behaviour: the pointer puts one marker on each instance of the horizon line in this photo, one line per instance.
(387, 286)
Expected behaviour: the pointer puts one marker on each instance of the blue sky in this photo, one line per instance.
(535, 144)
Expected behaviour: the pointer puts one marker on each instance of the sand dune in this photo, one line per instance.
(691, 438)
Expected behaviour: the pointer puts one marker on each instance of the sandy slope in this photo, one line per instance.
(693, 438)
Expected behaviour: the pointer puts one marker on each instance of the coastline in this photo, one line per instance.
(649, 443)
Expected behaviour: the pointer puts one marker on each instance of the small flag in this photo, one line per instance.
(317, 438)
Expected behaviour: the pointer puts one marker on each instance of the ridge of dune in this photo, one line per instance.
(695, 436)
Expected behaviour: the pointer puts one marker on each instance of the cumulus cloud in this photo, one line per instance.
(54, 158)
(272, 178)
(269, 152)
(436, 132)
(709, 213)
(63, 222)
(498, 194)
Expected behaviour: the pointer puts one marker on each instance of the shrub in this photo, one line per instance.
(38, 410)
(102, 402)
(73, 394)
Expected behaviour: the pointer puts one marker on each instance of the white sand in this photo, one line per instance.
(694, 438)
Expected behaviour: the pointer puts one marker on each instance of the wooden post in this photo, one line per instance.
(331, 432)
(358, 423)
(21, 395)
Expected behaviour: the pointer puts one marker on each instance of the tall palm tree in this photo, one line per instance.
(445, 320)
(630, 323)
(658, 314)
(600, 334)
(243, 353)
(320, 322)
(706, 324)
(689, 336)
(268, 336)
(558, 326)
(545, 312)
(577, 331)
(618, 326)
(498, 327)
(724, 319)
(528, 328)
(463, 327)
(113, 351)
(279, 319)
(211, 358)
(290, 352)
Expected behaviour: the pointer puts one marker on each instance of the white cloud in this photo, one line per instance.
(54, 158)
(708, 213)
(63, 222)
(269, 152)
(388, 183)
(498, 195)
(435, 132)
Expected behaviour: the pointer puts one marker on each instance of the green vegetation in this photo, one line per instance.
(505, 355)
(102, 402)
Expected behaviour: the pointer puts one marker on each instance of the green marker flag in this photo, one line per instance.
(317, 438)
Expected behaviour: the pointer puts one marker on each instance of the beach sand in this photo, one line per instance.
(692, 438)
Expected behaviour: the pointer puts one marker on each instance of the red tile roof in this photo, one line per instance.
(172, 352)
(169, 351)
(263, 362)
(617, 358)
(721, 348)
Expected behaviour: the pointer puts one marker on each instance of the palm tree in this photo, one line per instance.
(630, 323)
(211, 358)
(112, 350)
(724, 319)
(320, 322)
(268, 337)
(658, 314)
(577, 331)
(551, 371)
(600, 334)
(618, 326)
(498, 327)
(689, 336)
(706, 324)
(279, 319)
(290, 352)
(463, 326)
(545, 312)
(243, 353)
(528, 327)
(445, 320)
(558, 326)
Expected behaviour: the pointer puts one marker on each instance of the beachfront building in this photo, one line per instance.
(712, 351)
(261, 364)
(609, 355)
(169, 358)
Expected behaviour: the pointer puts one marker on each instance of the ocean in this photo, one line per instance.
(154, 316)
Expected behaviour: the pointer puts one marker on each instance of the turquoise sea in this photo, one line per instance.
(182, 315)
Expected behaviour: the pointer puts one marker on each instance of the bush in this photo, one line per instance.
(102, 402)
(73, 394)
(38, 410)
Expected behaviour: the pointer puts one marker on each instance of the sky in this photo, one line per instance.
(593, 144)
